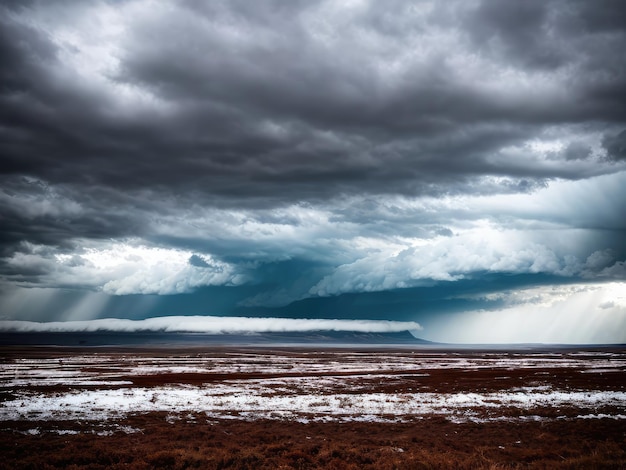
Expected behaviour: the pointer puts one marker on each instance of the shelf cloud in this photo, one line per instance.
(209, 325)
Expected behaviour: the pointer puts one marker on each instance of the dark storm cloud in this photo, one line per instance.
(34, 211)
(303, 101)
(615, 145)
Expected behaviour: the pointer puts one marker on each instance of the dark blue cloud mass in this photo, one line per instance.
(452, 163)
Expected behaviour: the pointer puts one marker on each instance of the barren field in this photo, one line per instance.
(312, 408)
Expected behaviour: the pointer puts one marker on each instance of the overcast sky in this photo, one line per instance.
(460, 164)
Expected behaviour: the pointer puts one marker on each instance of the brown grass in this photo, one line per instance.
(432, 443)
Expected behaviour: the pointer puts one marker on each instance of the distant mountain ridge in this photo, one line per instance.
(105, 338)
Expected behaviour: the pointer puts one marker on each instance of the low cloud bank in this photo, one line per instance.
(209, 325)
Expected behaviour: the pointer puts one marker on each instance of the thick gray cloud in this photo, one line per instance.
(307, 100)
(314, 148)
(615, 145)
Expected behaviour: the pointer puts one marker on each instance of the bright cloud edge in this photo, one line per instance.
(208, 325)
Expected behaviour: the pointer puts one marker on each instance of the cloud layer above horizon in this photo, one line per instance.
(209, 325)
(260, 157)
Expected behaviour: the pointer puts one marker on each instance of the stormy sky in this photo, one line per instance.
(457, 164)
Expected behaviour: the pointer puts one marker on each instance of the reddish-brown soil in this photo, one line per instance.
(427, 444)
(155, 440)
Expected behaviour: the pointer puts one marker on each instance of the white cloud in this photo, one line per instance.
(211, 325)
(484, 248)
(549, 231)
(120, 268)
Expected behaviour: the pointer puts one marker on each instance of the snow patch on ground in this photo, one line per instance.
(255, 401)
(317, 386)
(103, 369)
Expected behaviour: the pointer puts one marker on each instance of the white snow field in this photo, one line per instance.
(313, 386)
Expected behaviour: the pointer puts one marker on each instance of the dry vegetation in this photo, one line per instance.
(428, 444)
(559, 440)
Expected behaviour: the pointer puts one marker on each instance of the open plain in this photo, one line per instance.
(287, 407)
